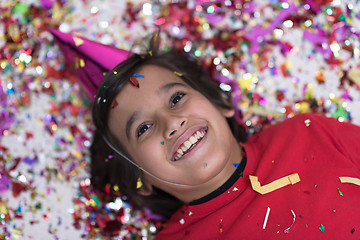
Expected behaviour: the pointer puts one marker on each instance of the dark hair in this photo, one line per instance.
(120, 171)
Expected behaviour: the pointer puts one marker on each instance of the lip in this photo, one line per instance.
(185, 136)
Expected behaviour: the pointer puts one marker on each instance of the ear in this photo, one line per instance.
(145, 190)
(228, 113)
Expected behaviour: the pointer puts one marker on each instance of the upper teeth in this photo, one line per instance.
(188, 143)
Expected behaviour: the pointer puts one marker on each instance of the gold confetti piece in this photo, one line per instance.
(139, 183)
(78, 41)
(282, 182)
(258, 110)
(16, 233)
(178, 74)
(354, 75)
(352, 180)
(307, 122)
(79, 63)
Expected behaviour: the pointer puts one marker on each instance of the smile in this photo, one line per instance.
(189, 144)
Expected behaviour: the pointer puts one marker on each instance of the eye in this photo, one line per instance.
(176, 98)
(142, 129)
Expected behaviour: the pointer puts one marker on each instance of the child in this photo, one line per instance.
(178, 154)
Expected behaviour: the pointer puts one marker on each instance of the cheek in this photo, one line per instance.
(149, 153)
(205, 107)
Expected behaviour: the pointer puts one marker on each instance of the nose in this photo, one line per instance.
(175, 130)
(172, 124)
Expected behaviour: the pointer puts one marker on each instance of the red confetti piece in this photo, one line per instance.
(134, 82)
(17, 188)
(29, 135)
(115, 104)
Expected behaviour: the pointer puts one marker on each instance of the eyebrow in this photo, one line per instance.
(164, 89)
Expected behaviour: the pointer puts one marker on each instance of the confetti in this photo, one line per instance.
(352, 180)
(78, 41)
(31, 66)
(139, 183)
(341, 194)
(104, 88)
(115, 104)
(134, 82)
(178, 74)
(266, 217)
(287, 230)
(277, 184)
(322, 228)
(138, 75)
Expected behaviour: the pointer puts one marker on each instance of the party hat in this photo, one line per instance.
(89, 58)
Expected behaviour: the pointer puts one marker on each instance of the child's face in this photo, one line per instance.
(157, 123)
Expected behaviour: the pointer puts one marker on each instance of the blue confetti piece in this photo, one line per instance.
(236, 164)
(138, 75)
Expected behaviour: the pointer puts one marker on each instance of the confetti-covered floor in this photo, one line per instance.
(278, 57)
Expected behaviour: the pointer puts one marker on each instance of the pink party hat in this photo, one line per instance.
(89, 58)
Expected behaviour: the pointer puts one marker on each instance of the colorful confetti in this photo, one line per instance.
(45, 123)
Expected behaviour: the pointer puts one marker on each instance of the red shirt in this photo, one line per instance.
(323, 207)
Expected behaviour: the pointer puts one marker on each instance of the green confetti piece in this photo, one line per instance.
(20, 8)
(38, 206)
(340, 112)
(342, 18)
(96, 200)
(104, 88)
(341, 194)
(162, 142)
(322, 228)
